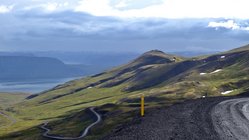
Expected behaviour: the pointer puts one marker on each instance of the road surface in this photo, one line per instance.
(221, 118)
(46, 133)
(231, 119)
(190, 120)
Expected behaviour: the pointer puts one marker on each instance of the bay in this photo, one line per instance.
(32, 86)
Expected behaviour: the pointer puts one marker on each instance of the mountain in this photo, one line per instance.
(163, 79)
(243, 48)
(16, 68)
(90, 62)
(137, 72)
(95, 62)
(15, 54)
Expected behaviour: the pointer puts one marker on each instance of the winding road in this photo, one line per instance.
(12, 120)
(46, 133)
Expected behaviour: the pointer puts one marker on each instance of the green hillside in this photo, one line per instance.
(243, 48)
(8, 99)
(164, 79)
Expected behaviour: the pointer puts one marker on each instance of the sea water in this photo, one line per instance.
(32, 86)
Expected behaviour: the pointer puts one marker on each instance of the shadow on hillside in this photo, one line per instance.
(33, 133)
(81, 103)
(136, 102)
(244, 94)
(146, 99)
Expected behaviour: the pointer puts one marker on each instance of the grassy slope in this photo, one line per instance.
(243, 48)
(7, 100)
(4, 121)
(63, 105)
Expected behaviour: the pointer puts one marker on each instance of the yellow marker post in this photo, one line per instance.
(142, 105)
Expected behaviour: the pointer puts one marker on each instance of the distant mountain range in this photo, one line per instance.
(89, 62)
(97, 58)
(20, 68)
(15, 66)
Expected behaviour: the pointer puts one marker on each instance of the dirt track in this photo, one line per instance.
(191, 120)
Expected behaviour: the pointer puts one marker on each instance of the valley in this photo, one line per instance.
(166, 80)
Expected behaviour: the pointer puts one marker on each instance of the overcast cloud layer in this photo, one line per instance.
(123, 25)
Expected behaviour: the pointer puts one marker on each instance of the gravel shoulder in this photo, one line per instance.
(190, 120)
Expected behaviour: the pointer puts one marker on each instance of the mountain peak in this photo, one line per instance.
(155, 52)
(159, 55)
(154, 57)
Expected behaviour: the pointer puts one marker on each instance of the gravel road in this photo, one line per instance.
(190, 120)
(231, 119)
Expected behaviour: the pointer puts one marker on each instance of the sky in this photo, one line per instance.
(123, 25)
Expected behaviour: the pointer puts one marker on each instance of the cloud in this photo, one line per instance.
(229, 24)
(85, 25)
(104, 8)
(50, 6)
(67, 30)
(141, 8)
(167, 8)
(133, 4)
(95, 7)
(110, 25)
(47, 7)
(6, 9)
(121, 4)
